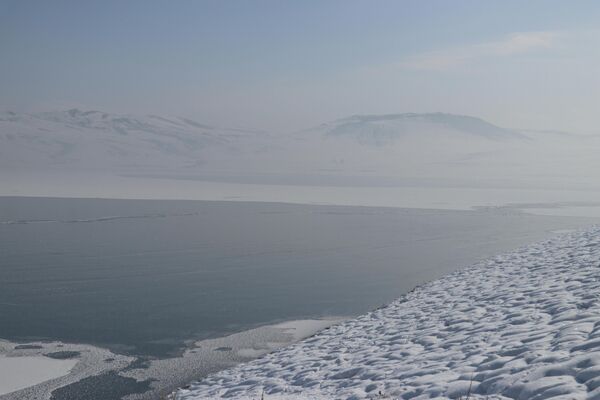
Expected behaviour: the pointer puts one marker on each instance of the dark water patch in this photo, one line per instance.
(138, 363)
(63, 355)
(108, 386)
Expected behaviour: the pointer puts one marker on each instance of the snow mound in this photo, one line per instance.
(523, 325)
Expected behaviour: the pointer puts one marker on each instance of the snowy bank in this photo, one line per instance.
(37, 369)
(522, 325)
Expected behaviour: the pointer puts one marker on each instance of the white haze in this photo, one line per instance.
(370, 151)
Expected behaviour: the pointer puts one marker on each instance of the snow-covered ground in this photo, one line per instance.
(522, 325)
(211, 355)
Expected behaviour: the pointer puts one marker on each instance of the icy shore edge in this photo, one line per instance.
(521, 325)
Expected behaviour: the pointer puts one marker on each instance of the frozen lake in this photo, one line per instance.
(145, 278)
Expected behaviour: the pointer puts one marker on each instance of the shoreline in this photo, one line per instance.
(522, 324)
(176, 372)
(161, 376)
(566, 209)
(415, 196)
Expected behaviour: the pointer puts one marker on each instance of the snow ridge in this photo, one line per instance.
(522, 325)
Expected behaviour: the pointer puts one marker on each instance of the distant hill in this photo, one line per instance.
(383, 129)
(360, 149)
(99, 140)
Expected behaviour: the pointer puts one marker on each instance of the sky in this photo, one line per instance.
(288, 65)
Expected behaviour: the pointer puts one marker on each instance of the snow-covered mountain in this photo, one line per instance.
(353, 150)
(385, 129)
(98, 140)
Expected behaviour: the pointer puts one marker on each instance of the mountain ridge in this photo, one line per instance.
(126, 143)
(461, 123)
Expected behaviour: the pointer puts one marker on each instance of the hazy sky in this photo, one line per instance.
(287, 65)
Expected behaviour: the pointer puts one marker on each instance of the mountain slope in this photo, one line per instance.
(97, 140)
(349, 151)
(386, 129)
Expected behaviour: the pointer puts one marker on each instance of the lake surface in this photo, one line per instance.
(144, 277)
